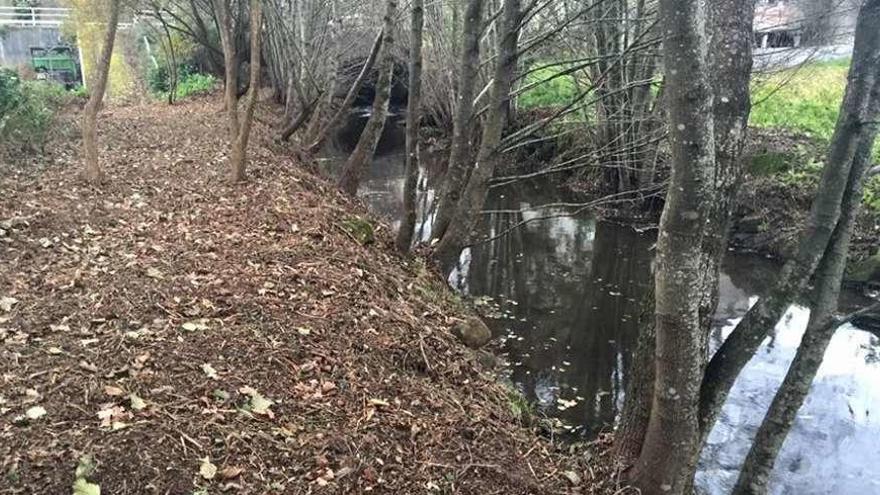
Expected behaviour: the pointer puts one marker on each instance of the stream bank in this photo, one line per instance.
(562, 288)
(169, 332)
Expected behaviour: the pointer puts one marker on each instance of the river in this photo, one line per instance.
(563, 295)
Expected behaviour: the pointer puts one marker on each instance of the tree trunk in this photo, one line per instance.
(413, 115)
(636, 412)
(668, 458)
(730, 29)
(96, 96)
(758, 466)
(238, 153)
(467, 211)
(239, 125)
(852, 125)
(459, 154)
(334, 121)
(230, 67)
(366, 145)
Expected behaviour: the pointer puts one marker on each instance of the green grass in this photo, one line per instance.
(554, 93)
(805, 99)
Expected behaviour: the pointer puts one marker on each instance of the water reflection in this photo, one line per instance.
(564, 295)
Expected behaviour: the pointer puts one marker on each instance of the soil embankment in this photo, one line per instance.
(171, 333)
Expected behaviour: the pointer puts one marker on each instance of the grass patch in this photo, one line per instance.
(805, 99)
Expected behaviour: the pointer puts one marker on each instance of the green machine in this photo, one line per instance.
(58, 63)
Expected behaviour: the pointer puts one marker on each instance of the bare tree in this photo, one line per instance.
(239, 121)
(96, 95)
(467, 210)
(459, 155)
(759, 463)
(413, 118)
(363, 152)
(853, 123)
(668, 456)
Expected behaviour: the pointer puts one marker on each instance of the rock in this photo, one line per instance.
(360, 229)
(473, 332)
(866, 271)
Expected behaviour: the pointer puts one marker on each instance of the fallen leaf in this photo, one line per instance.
(572, 477)
(136, 402)
(210, 371)
(6, 303)
(113, 391)
(258, 404)
(35, 412)
(230, 472)
(304, 330)
(83, 487)
(192, 326)
(207, 470)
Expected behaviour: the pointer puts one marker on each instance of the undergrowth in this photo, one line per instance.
(26, 111)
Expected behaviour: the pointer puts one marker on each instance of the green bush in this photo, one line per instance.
(189, 83)
(26, 110)
(195, 84)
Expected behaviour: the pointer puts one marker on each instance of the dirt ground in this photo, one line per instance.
(171, 333)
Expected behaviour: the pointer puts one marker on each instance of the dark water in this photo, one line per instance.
(564, 293)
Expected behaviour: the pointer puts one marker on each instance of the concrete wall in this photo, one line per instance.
(15, 43)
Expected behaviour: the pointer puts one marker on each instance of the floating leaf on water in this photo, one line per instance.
(35, 412)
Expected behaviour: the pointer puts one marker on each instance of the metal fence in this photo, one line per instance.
(33, 16)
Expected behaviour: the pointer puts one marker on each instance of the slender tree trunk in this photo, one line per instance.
(363, 152)
(668, 457)
(467, 211)
(459, 154)
(303, 117)
(239, 124)
(758, 466)
(238, 154)
(230, 67)
(96, 96)
(333, 124)
(413, 116)
(853, 123)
